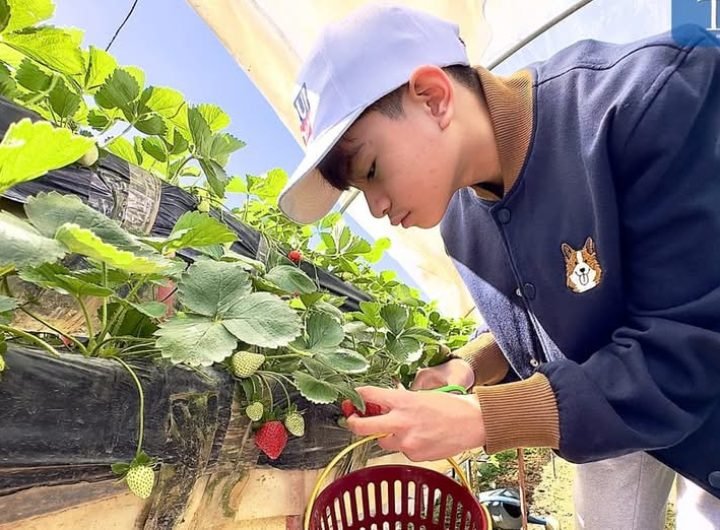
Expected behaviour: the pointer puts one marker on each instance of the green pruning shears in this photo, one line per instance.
(447, 388)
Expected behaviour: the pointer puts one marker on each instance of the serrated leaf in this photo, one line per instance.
(55, 48)
(151, 309)
(359, 246)
(269, 185)
(8, 304)
(194, 340)
(331, 310)
(200, 132)
(8, 87)
(216, 176)
(395, 317)
(120, 468)
(21, 245)
(345, 361)
(324, 333)
(97, 119)
(124, 149)
(330, 220)
(29, 75)
(156, 148)
(422, 334)
(264, 320)
(403, 349)
(4, 19)
(329, 242)
(63, 101)
(180, 144)
(164, 101)
(314, 390)
(236, 185)
(119, 91)
(84, 242)
(291, 279)
(58, 278)
(212, 288)
(200, 230)
(371, 313)
(25, 13)
(29, 150)
(49, 211)
(214, 116)
(152, 125)
(378, 249)
(222, 146)
(100, 66)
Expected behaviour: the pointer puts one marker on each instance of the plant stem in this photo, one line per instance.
(118, 315)
(282, 385)
(104, 302)
(142, 403)
(267, 385)
(176, 175)
(72, 339)
(31, 338)
(88, 323)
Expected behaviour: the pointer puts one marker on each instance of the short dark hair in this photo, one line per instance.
(335, 167)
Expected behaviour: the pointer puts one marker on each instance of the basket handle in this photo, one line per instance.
(325, 472)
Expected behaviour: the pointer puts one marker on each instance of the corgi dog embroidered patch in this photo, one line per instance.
(582, 268)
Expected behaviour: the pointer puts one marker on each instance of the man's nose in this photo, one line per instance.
(379, 205)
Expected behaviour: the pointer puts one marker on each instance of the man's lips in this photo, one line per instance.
(395, 220)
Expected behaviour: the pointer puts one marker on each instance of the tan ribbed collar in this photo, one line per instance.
(510, 105)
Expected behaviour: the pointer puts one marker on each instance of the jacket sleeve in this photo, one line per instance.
(658, 379)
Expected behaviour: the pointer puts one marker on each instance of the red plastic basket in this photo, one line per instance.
(394, 497)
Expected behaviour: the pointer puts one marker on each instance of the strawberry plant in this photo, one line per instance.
(266, 321)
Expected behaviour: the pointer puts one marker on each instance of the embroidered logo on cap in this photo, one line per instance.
(582, 268)
(304, 110)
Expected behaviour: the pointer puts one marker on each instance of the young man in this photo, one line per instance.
(580, 201)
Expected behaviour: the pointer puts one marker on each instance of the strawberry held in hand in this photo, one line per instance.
(371, 409)
(295, 256)
(271, 439)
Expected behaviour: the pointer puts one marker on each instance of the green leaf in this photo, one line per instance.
(395, 317)
(98, 119)
(200, 131)
(349, 392)
(236, 185)
(120, 468)
(423, 335)
(371, 313)
(330, 220)
(63, 101)
(403, 349)
(83, 241)
(29, 150)
(196, 229)
(358, 246)
(100, 66)
(329, 242)
(25, 13)
(180, 144)
(222, 146)
(164, 101)
(311, 298)
(153, 125)
(195, 341)
(291, 279)
(4, 19)
(268, 186)
(264, 320)
(214, 116)
(314, 390)
(345, 361)
(213, 288)
(21, 245)
(8, 87)
(8, 304)
(124, 149)
(151, 309)
(119, 91)
(58, 278)
(156, 148)
(378, 249)
(331, 310)
(55, 48)
(216, 176)
(324, 333)
(29, 75)
(49, 211)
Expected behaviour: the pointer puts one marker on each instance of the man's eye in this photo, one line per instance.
(371, 172)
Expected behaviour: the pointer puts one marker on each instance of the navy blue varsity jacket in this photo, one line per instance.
(597, 270)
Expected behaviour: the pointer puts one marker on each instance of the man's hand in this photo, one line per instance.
(453, 372)
(422, 425)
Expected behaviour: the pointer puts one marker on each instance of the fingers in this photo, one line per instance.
(386, 398)
(383, 424)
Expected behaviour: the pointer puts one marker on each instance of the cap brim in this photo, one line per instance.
(308, 197)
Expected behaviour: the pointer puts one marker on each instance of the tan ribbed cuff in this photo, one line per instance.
(486, 358)
(521, 414)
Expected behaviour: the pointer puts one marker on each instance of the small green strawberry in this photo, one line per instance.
(295, 424)
(140, 480)
(245, 363)
(255, 411)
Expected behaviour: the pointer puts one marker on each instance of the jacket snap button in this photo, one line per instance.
(503, 215)
(714, 479)
(518, 292)
(529, 291)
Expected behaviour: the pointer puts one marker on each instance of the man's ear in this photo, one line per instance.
(431, 87)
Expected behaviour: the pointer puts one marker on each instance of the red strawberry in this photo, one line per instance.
(371, 409)
(272, 438)
(295, 256)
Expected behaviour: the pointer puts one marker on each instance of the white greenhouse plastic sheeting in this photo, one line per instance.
(269, 38)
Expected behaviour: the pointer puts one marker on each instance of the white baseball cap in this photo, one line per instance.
(356, 61)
